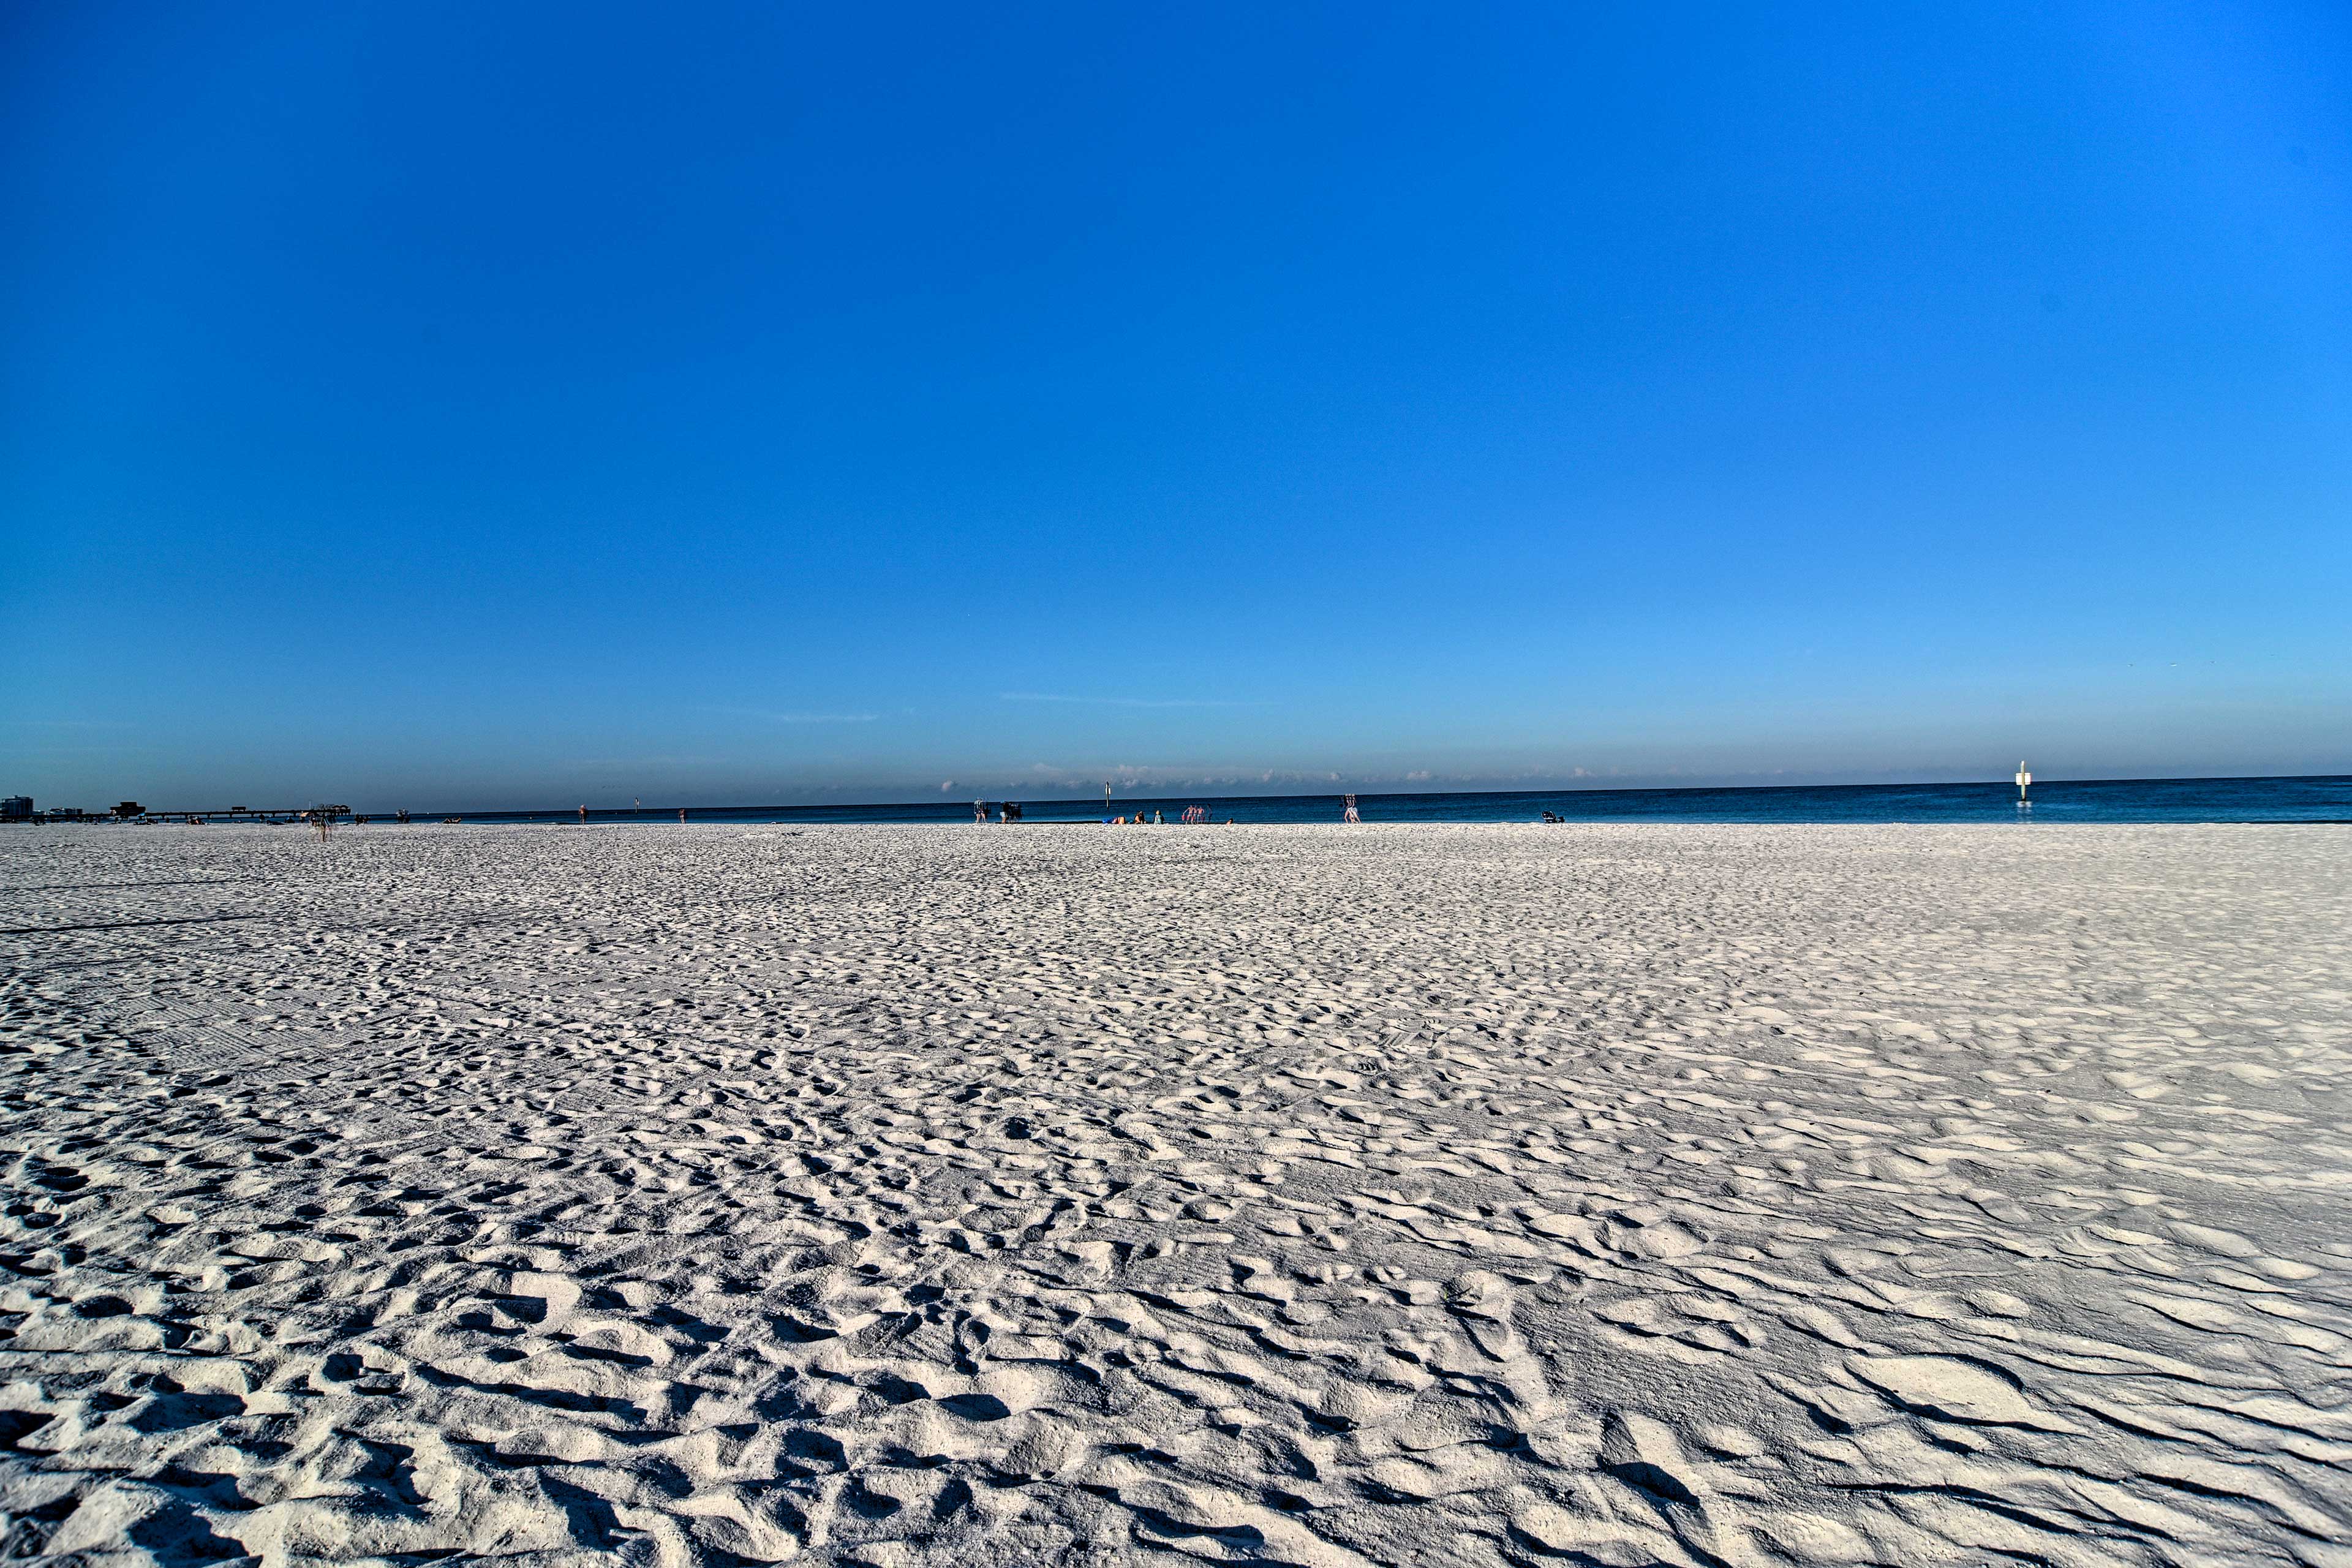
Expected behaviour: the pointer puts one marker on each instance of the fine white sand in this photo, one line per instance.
(1439, 1195)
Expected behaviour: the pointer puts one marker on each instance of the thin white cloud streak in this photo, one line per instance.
(798, 718)
(1125, 701)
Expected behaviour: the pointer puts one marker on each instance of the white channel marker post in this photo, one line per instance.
(2023, 778)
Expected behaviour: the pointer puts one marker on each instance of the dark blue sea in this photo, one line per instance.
(2321, 799)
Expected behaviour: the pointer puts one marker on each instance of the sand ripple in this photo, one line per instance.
(1451, 1194)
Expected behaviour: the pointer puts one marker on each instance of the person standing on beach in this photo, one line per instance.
(583, 817)
(1349, 814)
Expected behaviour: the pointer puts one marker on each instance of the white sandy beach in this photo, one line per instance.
(1431, 1196)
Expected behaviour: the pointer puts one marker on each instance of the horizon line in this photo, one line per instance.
(935, 803)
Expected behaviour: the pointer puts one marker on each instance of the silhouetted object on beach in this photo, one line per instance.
(129, 809)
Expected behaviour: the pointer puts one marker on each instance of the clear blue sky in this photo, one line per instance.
(513, 405)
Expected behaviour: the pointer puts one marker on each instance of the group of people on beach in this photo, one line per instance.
(1190, 817)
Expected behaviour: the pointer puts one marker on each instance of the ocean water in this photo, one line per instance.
(2321, 799)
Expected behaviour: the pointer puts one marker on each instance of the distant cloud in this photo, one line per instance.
(640, 764)
(797, 718)
(1078, 782)
(1125, 701)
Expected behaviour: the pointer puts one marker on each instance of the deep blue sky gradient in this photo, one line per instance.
(518, 405)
